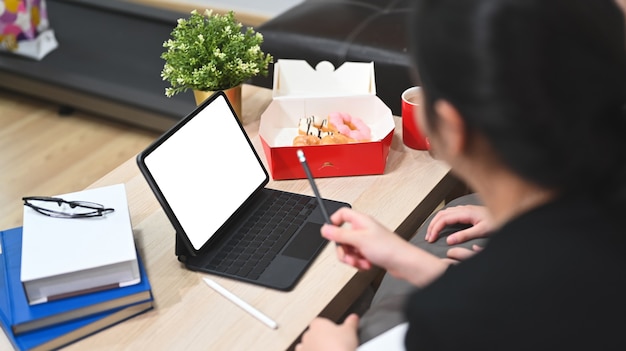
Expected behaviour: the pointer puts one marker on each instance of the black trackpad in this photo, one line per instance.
(306, 243)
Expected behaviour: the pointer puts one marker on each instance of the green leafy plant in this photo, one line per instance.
(211, 52)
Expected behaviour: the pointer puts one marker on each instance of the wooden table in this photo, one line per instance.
(188, 315)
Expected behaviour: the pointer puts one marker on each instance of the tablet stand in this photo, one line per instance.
(180, 250)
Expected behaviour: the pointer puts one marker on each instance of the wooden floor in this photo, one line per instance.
(44, 153)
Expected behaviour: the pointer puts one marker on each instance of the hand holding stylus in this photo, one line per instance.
(364, 242)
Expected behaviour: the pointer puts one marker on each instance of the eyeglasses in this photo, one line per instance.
(59, 208)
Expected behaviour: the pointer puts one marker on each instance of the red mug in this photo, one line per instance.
(411, 134)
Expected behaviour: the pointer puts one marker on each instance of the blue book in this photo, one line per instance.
(64, 319)
(56, 336)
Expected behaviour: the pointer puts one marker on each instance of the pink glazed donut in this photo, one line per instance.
(352, 127)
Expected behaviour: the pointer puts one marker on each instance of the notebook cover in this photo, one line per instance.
(23, 317)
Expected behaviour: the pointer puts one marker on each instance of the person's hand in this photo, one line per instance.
(458, 254)
(363, 241)
(325, 335)
(477, 216)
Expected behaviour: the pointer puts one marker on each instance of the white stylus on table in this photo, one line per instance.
(241, 303)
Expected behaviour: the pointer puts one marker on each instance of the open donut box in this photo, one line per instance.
(300, 90)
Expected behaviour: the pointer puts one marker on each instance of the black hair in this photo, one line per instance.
(543, 80)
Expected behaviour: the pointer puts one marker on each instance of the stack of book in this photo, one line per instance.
(64, 279)
(53, 324)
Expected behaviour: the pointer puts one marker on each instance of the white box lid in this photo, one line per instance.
(296, 78)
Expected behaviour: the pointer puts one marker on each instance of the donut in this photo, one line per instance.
(336, 139)
(306, 140)
(352, 127)
(337, 128)
(313, 125)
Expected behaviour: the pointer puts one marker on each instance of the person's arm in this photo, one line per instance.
(365, 242)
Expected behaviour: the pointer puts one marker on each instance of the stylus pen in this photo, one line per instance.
(312, 181)
(241, 303)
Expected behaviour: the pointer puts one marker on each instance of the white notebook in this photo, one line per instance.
(64, 257)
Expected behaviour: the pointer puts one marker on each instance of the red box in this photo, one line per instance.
(300, 90)
(279, 125)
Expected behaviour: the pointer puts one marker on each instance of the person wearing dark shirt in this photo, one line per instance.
(526, 101)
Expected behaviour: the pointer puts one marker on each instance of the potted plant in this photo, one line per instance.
(210, 52)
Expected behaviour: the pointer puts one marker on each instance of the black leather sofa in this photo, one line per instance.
(346, 31)
(108, 60)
